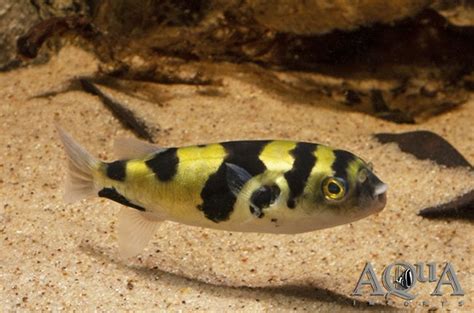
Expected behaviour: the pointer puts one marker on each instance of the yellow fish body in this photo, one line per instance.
(270, 186)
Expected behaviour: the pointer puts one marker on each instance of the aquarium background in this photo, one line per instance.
(346, 74)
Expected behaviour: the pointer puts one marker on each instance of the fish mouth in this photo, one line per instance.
(380, 189)
(380, 197)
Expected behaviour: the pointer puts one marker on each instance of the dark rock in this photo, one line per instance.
(29, 44)
(17, 17)
(322, 16)
(404, 71)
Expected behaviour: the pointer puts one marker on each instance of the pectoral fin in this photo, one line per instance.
(261, 193)
(236, 178)
(135, 229)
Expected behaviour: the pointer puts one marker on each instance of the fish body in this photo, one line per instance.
(270, 186)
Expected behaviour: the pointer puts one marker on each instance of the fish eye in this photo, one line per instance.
(333, 188)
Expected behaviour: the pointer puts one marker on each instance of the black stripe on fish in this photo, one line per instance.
(112, 194)
(164, 164)
(116, 170)
(246, 155)
(262, 198)
(341, 163)
(299, 173)
(218, 199)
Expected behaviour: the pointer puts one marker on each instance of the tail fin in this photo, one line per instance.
(79, 183)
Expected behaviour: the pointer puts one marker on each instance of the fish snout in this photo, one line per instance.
(380, 196)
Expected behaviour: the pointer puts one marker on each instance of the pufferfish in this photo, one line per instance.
(267, 186)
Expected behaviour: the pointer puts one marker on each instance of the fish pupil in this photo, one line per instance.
(334, 188)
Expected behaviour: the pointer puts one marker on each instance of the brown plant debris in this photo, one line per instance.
(426, 145)
(461, 207)
(126, 116)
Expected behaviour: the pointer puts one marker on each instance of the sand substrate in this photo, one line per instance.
(57, 256)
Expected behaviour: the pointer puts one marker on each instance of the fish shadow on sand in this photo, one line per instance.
(290, 296)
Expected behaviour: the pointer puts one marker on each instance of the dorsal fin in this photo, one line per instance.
(132, 148)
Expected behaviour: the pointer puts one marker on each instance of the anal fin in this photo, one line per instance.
(135, 229)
